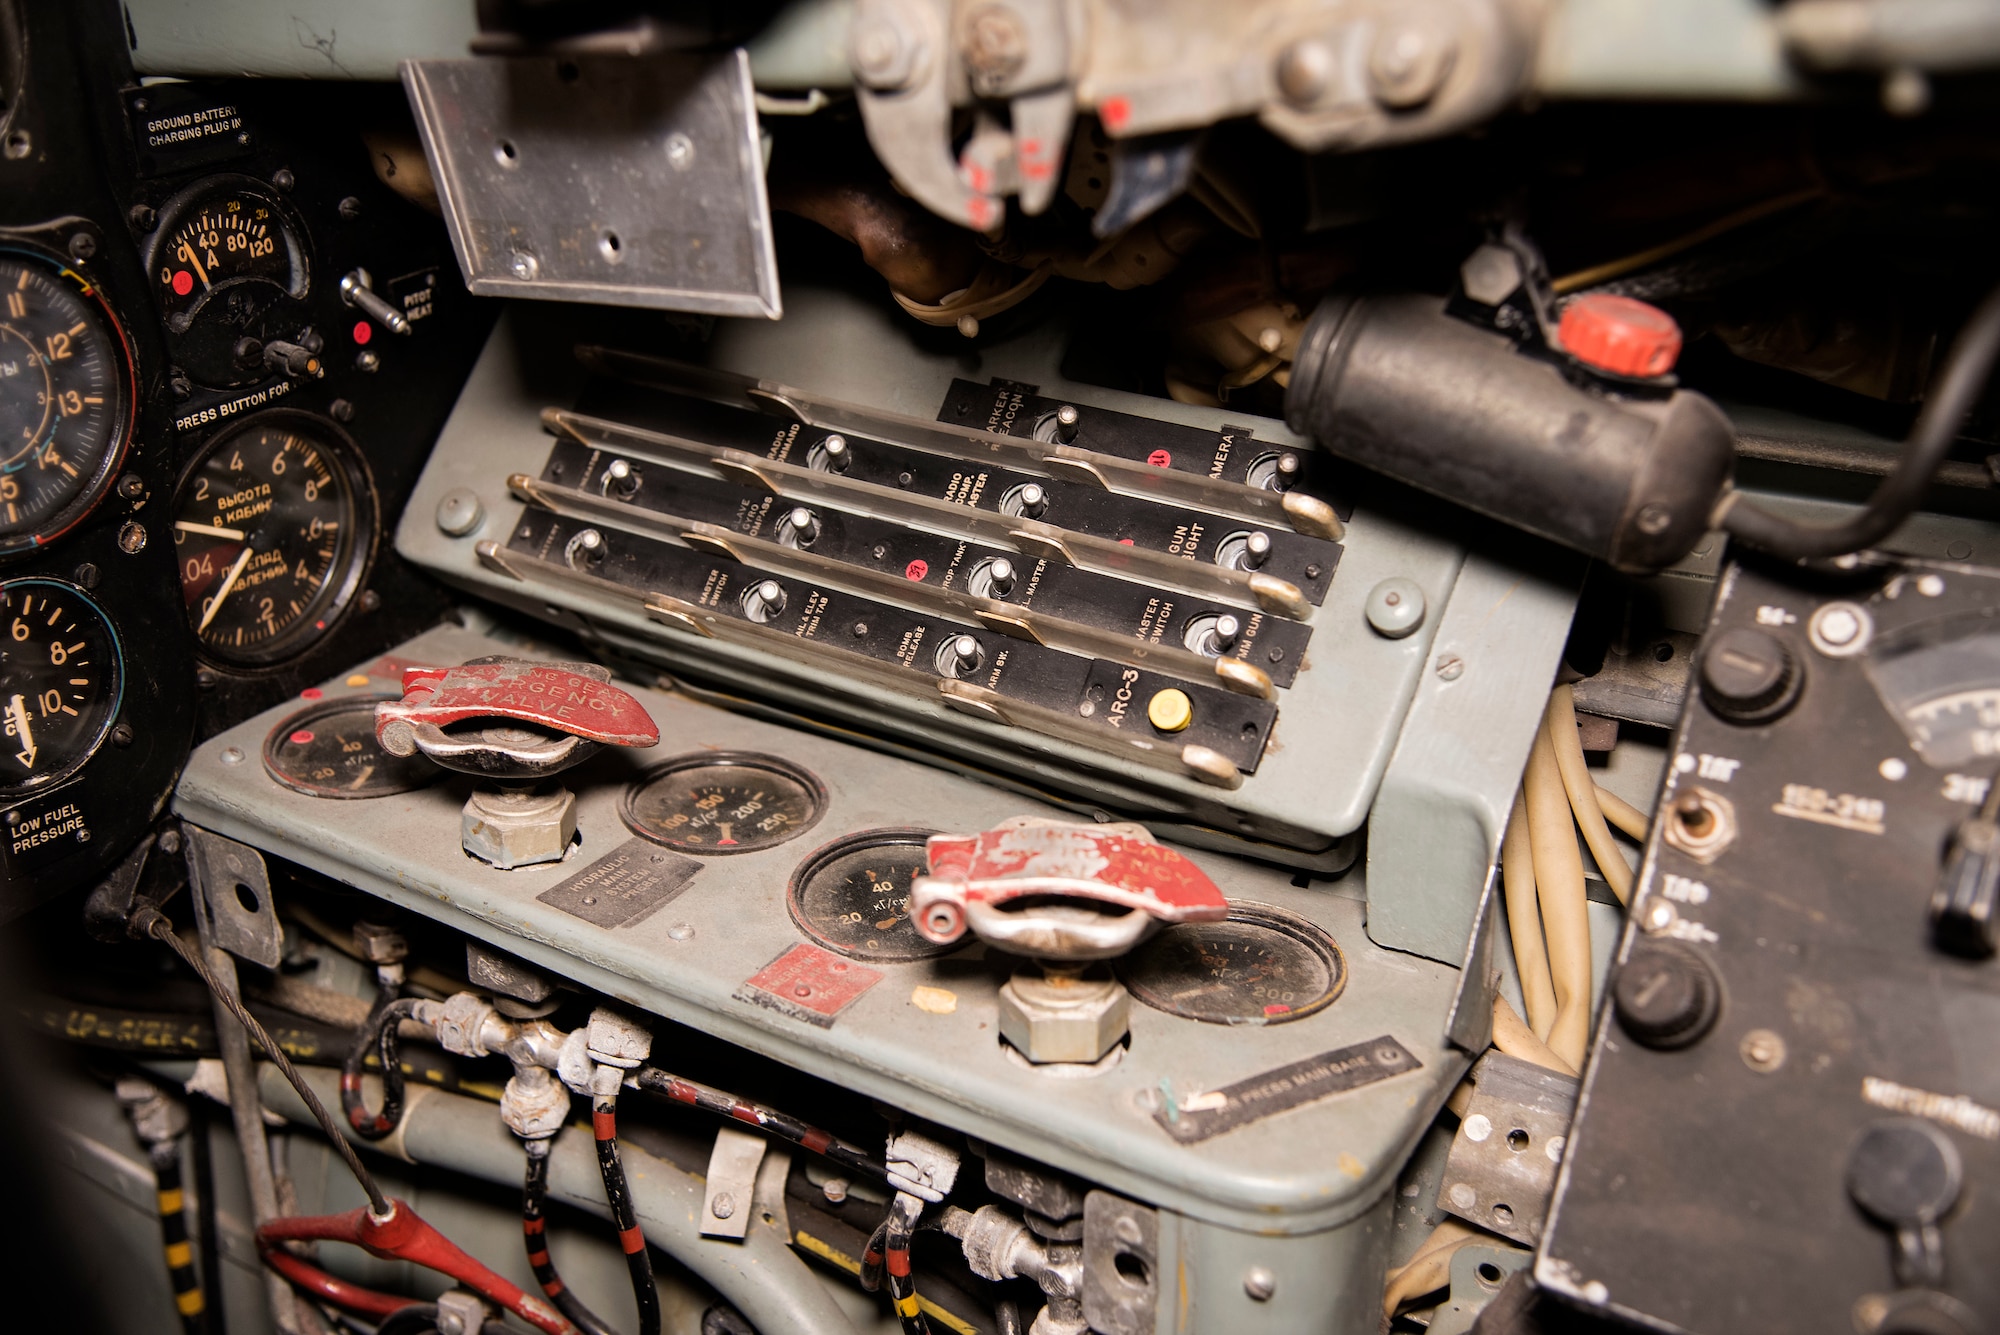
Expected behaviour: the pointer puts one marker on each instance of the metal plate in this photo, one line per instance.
(1258, 966)
(853, 896)
(328, 749)
(716, 803)
(625, 182)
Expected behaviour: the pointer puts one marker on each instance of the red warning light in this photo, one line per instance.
(183, 282)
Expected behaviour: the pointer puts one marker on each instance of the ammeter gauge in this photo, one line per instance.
(1260, 965)
(229, 270)
(273, 526)
(66, 398)
(328, 749)
(853, 896)
(62, 680)
(721, 802)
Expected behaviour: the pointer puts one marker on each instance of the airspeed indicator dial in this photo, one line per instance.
(272, 530)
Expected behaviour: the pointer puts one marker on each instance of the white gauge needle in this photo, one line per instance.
(187, 526)
(228, 583)
(17, 714)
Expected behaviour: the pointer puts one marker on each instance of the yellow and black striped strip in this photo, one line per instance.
(174, 1237)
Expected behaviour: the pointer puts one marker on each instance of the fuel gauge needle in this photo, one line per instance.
(228, 583)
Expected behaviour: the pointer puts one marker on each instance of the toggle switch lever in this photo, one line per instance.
(358, 290)
(517, 723)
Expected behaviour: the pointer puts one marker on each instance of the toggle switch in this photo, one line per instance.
(357, 290)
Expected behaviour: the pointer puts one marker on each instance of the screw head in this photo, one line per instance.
(342, 410)
(132, 538)
(231, 755)
(82, 246)
(122, 735)
(1450, 667)
(1395, 609)
(143, 218)
(131, 487)
(1305, 71)
(680, 151)
(1762, 1050)
(524, 266)
(283, 179)
(1654, 518)
(723, 1206)
(1260, 1283)
(367, 360)
(350, 208)
(460, 512)
(883, 56)
(85, 575)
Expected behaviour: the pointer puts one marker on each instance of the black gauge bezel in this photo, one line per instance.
(9, 792)
(826, 855)
(123, 422)
(313, 713)
(302, 637)
(784, 769)
(1280, 922)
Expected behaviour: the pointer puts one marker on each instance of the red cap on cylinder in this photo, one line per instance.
(1620, 335)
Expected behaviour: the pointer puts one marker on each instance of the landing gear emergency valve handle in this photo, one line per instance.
(517, 723)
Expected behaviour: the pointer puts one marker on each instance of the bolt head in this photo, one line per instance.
(524, 266)
(994, 44)
(1305, 71)
(884, 57)
(1490, 274)
(1408, 64)
(1260, 1283)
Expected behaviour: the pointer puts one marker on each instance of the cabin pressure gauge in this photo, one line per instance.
(273, 526)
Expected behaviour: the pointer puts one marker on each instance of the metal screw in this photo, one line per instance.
(205, 678)
(82, 246)
(19, 145)
(170, 842)
(342, 410)
(1395, 607)
(86, 575)
(524, 266)
(1260, 1283)
(132, 538)
(680, 931)
(882, 55)
(680, 151)
(131, 487)
(122, 735)
(835, 1190)
(283, 179)
(1653, 519)
(460, 512)
(1661, 915)
(995, 46)
(231, 756)
(723, 1206)
(350, 208)
(143, 218)
(1305, 69)
(1408, 65)
(1450, 667)
(1763, 1051)
(368, 602)
(367, 360)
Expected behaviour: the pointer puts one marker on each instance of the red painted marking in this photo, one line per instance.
(725, 843)
(1276, 1008)
(540, 1258)
(816, 1140)
(183, 282)
(1031, 148)
(976, 177)
(1160, 459)
(917, 569)
(899, 1262)
(534, 1227)
(632, 1240)
(808, 978)
(554, 1288)
(311, 693)
(604, 1125)
(303, 737)
(743, 1112)
(1115, 112)
(1035, 169)
(363, 331)
(980, 210)
(350, 1080)
(1125, 542)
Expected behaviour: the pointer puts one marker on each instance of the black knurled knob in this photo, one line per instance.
(1749, 676)
(1666, 996)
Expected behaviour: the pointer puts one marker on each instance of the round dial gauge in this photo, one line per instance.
(329, 749)
(1258, 966)
(66, 399)
(721, 802)
(61, 681)
(853, 896)
(228, 269)
(272, 527)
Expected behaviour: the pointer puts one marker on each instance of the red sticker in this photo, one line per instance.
(183, 282)
(808, 984)
(1160, 459)
(311, 693)
(303, 737)
(917, 569)
(363, 331)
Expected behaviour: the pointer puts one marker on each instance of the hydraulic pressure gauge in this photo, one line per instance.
(273, 526)
(66, 398)
(328, 749)
(853, 896)
(720, 802)
(229, 270)
(1260, 965)
(61, 681)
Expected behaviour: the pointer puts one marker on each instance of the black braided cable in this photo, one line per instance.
(534, 1232)
(604, 1123)
(782, 1125)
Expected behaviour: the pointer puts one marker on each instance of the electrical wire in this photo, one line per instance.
(534, 1232)
(209, 1240)
(639, 1261)
(1512, 1036)
(782, 1125)
(1956, 391)
(379, 1033)
(1628, 818)
(1582, 790)
(1524, 921)
(150, 921)
(1428, 1269)
(171, 1201)
(1560, 892)
(899, 1228)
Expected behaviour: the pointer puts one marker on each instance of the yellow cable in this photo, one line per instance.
(1618, 268)
(1559, 889)
(1429, 1269)
(1512, 1036)
(1582, 790)
(1623, 814)
(1524, 922)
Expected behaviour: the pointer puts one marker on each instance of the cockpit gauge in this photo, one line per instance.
(273, 525)
(61, 681)
(1258, 966)
(716, 803)
(229, 269)
(853, 896)
(328, 749)
(66, 398)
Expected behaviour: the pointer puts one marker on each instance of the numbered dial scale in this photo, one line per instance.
(61, 681)
(716, 803)
(328, 749)
(66, 398)
(229, 271)
(273, 527)
(853, 896)
(1258, 966)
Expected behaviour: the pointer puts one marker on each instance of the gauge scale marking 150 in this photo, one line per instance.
(717, 803)
(272, 531)
(61, 681)
(66, 399)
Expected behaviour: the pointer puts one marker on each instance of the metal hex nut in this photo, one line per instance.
(534, 1105)
(616, 1041)
(1061, 1018)
(1490, 274)
(510, 830)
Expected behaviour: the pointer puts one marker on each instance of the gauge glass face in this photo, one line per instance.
(228, 269)
(271, 530)
(61, 681)
(1258, 966)
(65, 400)
(717, 804)
(329, 750)
(1941, 682)
(853, 896)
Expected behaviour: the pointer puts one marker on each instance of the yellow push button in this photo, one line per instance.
(1170, 710)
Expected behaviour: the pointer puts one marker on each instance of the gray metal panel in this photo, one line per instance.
(688, 961)
(302, 39)
(1663, 48)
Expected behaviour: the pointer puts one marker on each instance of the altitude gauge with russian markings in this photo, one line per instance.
(61, 681)
(721, 802)
(273, 526)
(66, 398)
(1258, 966)
(229, 270)
(853, 896)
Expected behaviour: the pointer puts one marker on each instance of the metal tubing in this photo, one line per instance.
(760, 1276)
